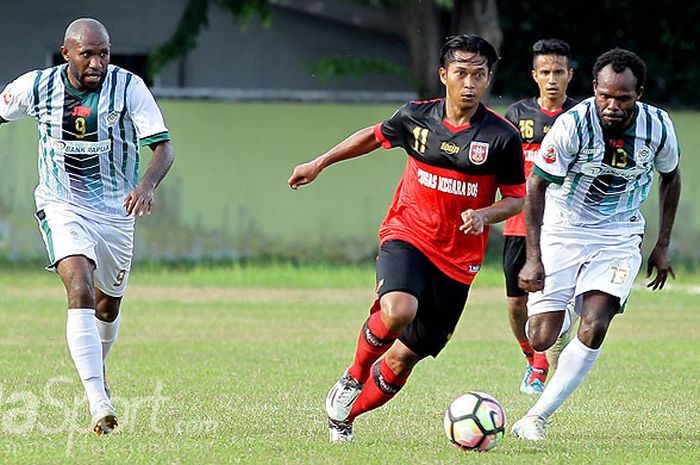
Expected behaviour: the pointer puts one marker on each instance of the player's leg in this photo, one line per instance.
(107, 319)
(605, 282)
(439, 310)
(577, 360)
(400, 279)
(71, 251)
(554, 352)
(114, 250)
(537, 364)
(84, 339)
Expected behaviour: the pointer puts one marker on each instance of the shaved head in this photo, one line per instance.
(86, 49)
(79, 29)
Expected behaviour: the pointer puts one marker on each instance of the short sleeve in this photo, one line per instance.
(392, 133)
(16, 99)
(144, 112)
(558, 150)
(511, 172)
(668, 155)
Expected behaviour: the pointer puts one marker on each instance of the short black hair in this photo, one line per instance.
(551, 47)
(620, 59)
(468, 43)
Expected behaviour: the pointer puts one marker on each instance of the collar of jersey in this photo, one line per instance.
(71, 88)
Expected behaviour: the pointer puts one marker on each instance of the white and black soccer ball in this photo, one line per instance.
(475, 421)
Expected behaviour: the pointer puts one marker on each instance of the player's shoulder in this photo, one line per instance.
(655, 112)
(499, 123)
(523, 105)
(424, 106)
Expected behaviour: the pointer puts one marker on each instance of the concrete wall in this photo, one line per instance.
(227, 56)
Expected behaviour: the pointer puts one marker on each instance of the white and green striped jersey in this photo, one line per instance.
(88, 141)
(600, 178)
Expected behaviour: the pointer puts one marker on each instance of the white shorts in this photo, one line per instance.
(576, 262)
(109, 245)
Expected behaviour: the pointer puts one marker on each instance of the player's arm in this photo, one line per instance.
(140, 200)
(474, 221)
(669, 195)
(359, 143)
(531, 276)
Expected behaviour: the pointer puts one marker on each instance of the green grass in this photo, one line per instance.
(244, 372)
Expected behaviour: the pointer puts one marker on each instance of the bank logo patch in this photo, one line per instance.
(478, 152)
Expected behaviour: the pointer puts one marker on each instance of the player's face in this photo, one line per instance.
(466, 79)
(552, 75)
(87, 57)
(615, 97)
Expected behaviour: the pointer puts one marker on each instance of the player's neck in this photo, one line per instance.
(458, 115)
(548, 104)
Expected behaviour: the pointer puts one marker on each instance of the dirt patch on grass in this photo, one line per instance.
(206, 294)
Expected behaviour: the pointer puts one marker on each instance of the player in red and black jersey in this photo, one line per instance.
(433, 238)
(551, 70)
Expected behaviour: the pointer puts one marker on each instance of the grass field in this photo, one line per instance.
(232, 365)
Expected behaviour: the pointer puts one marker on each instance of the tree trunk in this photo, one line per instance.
(478, 17)
(425, 34)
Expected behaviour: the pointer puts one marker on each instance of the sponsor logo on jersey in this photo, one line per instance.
(449, 147)
(79, 147)
(478, 151)
(474, 268)
(550, 154)
(448, 185)
(643, 155)
(81, 111)
(546, 128)
(7, 97)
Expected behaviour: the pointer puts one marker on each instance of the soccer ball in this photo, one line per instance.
(475, 421)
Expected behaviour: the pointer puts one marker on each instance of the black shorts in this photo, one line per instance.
(441, 299)
(513, 261)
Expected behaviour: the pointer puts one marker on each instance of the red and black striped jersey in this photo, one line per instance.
(449, 170)
(533, 122)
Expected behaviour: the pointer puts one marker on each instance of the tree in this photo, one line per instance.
(426, 23)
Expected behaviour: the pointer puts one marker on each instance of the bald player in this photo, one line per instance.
(92, 118)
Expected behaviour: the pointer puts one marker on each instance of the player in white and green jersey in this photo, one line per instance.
(594, 169)
(92, 119)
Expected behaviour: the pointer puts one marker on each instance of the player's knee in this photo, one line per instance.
(541, 336)
(107, 312)
(398, 311)
(592, 332)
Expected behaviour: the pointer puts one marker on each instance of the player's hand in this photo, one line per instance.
(304, 174)
(531, 276)
(660, 260)
(139, 202)
(474, 222)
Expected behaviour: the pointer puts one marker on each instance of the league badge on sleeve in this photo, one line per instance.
(7, 97)
(549, 154)
(478, 151)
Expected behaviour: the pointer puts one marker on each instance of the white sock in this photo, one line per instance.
(86, 350)
(109, 330)
(575, 361)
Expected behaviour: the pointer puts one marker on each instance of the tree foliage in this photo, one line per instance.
(194, 18)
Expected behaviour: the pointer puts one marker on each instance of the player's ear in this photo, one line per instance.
(64, 52)
(571, 74)
(442, 72)
(641, 91)
(534, 75)
(595, 85)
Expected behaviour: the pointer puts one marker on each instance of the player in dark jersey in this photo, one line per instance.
(433, 238)
(551, 70)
